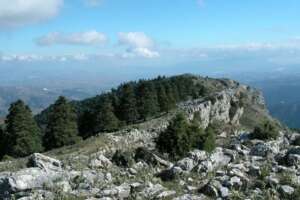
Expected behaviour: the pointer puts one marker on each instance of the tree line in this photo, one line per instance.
(65, 123)
(131, 103)
(21, 136)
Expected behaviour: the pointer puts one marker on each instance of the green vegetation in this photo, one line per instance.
(62, 127)
(22, 136)
(181, 136)
(64, 122)
(123, 159)
(132, 103)
(266, 131)
(106, 120)
(208, 140)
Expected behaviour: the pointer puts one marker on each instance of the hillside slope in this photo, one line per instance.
(126, 165)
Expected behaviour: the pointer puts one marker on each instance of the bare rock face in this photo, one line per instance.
(43, 172)
(222, 107)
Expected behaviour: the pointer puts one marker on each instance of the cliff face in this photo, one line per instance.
(240, 166)
(226, 106)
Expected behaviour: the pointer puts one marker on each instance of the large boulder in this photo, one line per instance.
(100, 162)
(43, 171)
(44, 162)
(260, 149)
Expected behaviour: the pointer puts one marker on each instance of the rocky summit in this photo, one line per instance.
(126, 165)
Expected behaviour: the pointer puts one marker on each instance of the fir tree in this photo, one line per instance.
(147, 96)
(22, 132)
(3, 143)
(172, 95)
(128, 104)
(105, 118)
(163, 100)
(175, 139)
(209, 142)
(62, 125)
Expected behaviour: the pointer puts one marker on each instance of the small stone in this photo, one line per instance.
(224, 191)
(286, 190)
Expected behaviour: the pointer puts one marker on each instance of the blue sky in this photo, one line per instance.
(155, 33)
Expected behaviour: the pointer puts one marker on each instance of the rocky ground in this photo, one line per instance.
(125, 164)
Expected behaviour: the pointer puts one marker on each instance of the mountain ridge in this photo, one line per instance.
(125, 164)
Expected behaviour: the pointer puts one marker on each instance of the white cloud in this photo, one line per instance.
(21, 57)
(15, 13)
(144, 52)
(257, 46)
(80, 38)
(139, 44)
(135, 39)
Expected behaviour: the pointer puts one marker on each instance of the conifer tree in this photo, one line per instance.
(175, 139)
(105, 118)
(164, 102)
(172, 95)
(3, 142)
(147, 96)
(128, 104)
(22, 132)
(62, 125)
(209, 143)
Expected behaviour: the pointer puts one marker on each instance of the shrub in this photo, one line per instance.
(181, 136)
(268, 130)
(142, 154)
(122, 159)
(175, 139)
(297, 141)
(209, 141)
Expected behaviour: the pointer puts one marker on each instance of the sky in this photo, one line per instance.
(142, 37)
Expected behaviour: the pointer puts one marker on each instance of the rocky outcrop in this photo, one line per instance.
(222, 107)
(248, 166)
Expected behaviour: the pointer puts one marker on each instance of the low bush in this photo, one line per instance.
(122, 159)
(268, 130)
(182, 136)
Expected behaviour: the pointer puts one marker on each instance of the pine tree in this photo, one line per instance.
(105, 118)
(22, 131)
(209, 143)
(147, 100)
(172, 95)
(163, 100)
(175, 139)
(62, 125)
(3, 143)
(128, 104)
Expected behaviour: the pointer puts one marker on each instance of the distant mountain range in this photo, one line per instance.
(37, 98)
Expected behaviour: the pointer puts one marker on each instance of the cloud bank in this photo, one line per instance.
(79, 38)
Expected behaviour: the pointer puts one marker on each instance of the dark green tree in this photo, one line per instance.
(209, 141)
(128, 104)
(3, 143)
(147, 100)
(22, 132)
(175, 139)
(105, 118)
(62, 125)
(163, 100)
(172, 95)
